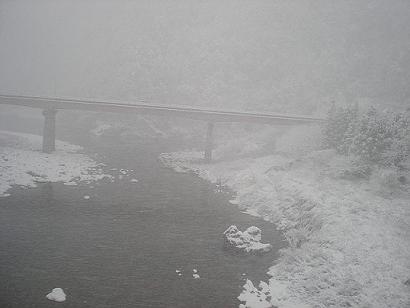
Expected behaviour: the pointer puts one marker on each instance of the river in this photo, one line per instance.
(123, 245)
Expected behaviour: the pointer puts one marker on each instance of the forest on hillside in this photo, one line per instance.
(287, 56)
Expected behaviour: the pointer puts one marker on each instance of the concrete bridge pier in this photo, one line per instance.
(49, 130)
(209, 142)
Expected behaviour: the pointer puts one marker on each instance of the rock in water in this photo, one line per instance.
(255, 233)
(56, 295)
(247, 241)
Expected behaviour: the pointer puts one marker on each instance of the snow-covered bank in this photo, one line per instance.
(22, 163)
(349, 241)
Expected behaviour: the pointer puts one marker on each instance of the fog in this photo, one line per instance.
(294, 56)
(220, 154)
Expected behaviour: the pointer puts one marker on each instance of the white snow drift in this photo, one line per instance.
(22, 163)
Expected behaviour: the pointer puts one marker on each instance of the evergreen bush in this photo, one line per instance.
(375, 137)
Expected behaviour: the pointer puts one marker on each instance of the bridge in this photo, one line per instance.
(50, 106)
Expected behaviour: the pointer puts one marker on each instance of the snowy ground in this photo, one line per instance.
(22, 163)
(349, 240)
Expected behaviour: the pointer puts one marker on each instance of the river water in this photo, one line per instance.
(122, 247)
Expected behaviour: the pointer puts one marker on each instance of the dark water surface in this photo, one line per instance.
(121, 247)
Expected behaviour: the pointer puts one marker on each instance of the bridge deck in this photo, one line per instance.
(121, 107)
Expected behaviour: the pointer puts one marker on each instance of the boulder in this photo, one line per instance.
(248, 241)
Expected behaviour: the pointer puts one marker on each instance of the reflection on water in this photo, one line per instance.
(123, 246)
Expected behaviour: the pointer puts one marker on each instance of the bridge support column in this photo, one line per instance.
(209, 142)
(49, 130)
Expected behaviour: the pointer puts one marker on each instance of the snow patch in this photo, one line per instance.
(268, 296)
(22, 163)
(56, 295)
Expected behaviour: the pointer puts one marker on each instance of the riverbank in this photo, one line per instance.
(348, 239)
(22, 163)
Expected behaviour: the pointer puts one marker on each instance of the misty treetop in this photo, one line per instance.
(375, 137)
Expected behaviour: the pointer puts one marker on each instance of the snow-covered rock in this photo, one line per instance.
(56, 295)
(248, 241)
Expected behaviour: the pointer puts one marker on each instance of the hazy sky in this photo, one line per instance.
(278, 55)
